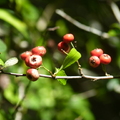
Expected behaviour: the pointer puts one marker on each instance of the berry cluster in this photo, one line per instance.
(97, 57)
(33, 59)
(64, 46)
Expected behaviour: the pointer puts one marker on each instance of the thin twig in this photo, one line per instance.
(94, 78)
(53, 28)
(80, 25)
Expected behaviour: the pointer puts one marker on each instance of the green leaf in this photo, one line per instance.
(2, 46)
(10, 62)
(19, 25)
(1, 64)
(115, 25)
(71, 58)
(61, 73)
(114, 32)
(10, 95)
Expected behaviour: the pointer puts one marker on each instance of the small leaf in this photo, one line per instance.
(2, 46)
(61, 73)
(71, 58)
(11, 62)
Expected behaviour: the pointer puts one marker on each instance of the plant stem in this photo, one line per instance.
(104, 69)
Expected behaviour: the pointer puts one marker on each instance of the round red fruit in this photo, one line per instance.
(96, 52)
(63, 46)
(33, 61)
(24, 55)
(94, 61)
(39, 50)
(105, 59)
(32, 74)
(68, 38)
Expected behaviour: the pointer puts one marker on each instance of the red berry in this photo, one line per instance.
(68, 38)
(33, 61)
(39, 50)
(32, 74)
(96, 52)
(24, 55)
(94, 61)
(63, 46)
(105, 59)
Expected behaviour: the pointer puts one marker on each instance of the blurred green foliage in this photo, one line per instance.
(25, 24)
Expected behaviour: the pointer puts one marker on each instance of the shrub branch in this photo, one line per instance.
(93, 78)
(80, 25)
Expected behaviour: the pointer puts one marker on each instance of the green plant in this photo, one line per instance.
(25, 24)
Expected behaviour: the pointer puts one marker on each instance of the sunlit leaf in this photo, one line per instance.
(3, 46)
(71, 58)
(19, 25)
(61, 73)
(11, 62)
